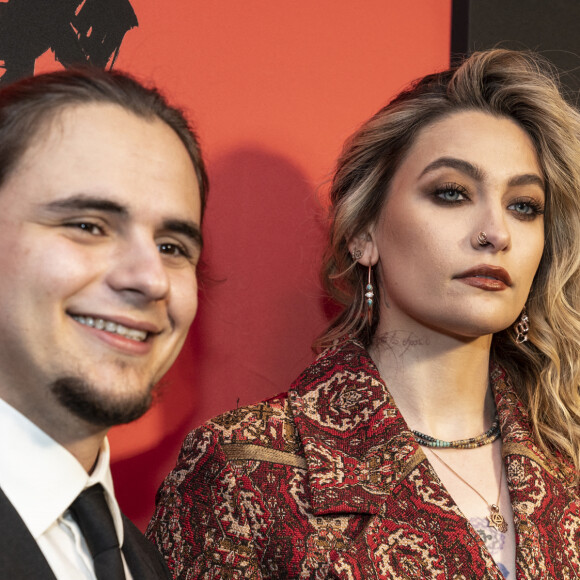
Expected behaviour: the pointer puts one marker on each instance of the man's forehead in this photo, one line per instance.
(101, 150)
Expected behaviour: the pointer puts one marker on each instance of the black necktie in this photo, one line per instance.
(92, 514)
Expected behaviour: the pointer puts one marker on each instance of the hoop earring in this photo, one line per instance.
(522, 327)
(369, 295)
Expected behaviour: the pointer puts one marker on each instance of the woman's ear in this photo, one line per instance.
(363, 249)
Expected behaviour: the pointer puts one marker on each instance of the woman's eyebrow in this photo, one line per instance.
(478, 174)
(527, 179)
(460, 164)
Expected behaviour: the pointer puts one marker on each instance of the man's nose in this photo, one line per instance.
(138, 267)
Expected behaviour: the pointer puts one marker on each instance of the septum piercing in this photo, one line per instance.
(482, 239)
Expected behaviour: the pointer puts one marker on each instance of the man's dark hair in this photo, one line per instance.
(29, 105)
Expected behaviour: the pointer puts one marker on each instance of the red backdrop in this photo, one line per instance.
(274, 88)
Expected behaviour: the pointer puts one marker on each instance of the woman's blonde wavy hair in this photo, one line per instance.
(521, 86)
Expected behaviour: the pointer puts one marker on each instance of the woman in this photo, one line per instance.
(438, 435)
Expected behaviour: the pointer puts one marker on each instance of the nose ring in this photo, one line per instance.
(482, 239)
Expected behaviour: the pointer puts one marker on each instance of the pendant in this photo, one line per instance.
(496, 520)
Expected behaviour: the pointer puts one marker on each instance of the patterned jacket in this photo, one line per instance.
(327, 481)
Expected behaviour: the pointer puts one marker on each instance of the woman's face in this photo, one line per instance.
(467, 173)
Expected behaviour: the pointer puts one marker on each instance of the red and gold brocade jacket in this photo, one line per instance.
(327, 481)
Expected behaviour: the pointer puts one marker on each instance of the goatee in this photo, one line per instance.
(102, 410)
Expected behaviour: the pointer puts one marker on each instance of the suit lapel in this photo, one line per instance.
(143, 559)
(20, 556)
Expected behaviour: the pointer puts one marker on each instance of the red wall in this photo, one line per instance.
(274, 88)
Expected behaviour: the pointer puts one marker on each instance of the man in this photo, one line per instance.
(102, 189)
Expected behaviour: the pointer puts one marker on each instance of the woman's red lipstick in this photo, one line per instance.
(486, 277)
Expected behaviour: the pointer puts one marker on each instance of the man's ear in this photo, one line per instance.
(363, 249)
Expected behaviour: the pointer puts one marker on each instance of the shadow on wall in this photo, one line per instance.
(260, 308)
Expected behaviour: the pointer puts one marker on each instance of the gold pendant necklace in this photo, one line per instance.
(494, 519)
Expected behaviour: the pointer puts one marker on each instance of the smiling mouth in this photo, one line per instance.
(112, 327)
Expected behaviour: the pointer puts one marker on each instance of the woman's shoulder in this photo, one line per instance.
(249, 432)
(234, 434)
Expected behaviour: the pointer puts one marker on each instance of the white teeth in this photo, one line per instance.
(101, 324)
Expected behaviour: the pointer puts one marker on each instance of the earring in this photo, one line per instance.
(369, 295)
(482, 239)
(522, 327)
(356, 255)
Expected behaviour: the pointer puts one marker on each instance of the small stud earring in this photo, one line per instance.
(356, 255)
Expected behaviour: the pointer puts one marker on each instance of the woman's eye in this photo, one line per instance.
(526, 209)
(523, 207)
(451, 193)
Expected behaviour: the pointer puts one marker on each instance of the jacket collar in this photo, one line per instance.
(517, 432)
(358, 447)
(356, 442)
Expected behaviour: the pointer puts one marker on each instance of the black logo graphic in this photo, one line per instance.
(77, 31)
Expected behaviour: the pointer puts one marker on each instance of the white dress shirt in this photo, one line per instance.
(41, 479)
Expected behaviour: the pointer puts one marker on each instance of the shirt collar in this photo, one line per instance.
(102, 474)
(41, 478)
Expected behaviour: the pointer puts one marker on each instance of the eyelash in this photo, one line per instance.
(536, 208)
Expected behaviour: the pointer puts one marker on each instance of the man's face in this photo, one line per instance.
(99, 236)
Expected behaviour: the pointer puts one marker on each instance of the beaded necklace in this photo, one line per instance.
(484, 439)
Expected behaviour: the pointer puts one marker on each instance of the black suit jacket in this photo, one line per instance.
(22, 559)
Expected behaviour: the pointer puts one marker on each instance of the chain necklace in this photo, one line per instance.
(484, 439)
(494, 519)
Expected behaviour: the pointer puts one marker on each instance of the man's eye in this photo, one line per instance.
(88, 227)
(172, 250)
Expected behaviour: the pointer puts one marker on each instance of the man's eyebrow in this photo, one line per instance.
(186, 228)
(83, 202)
(461, 165)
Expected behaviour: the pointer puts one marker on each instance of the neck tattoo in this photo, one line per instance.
(495, 519)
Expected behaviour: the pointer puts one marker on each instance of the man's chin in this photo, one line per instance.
(87, 403)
